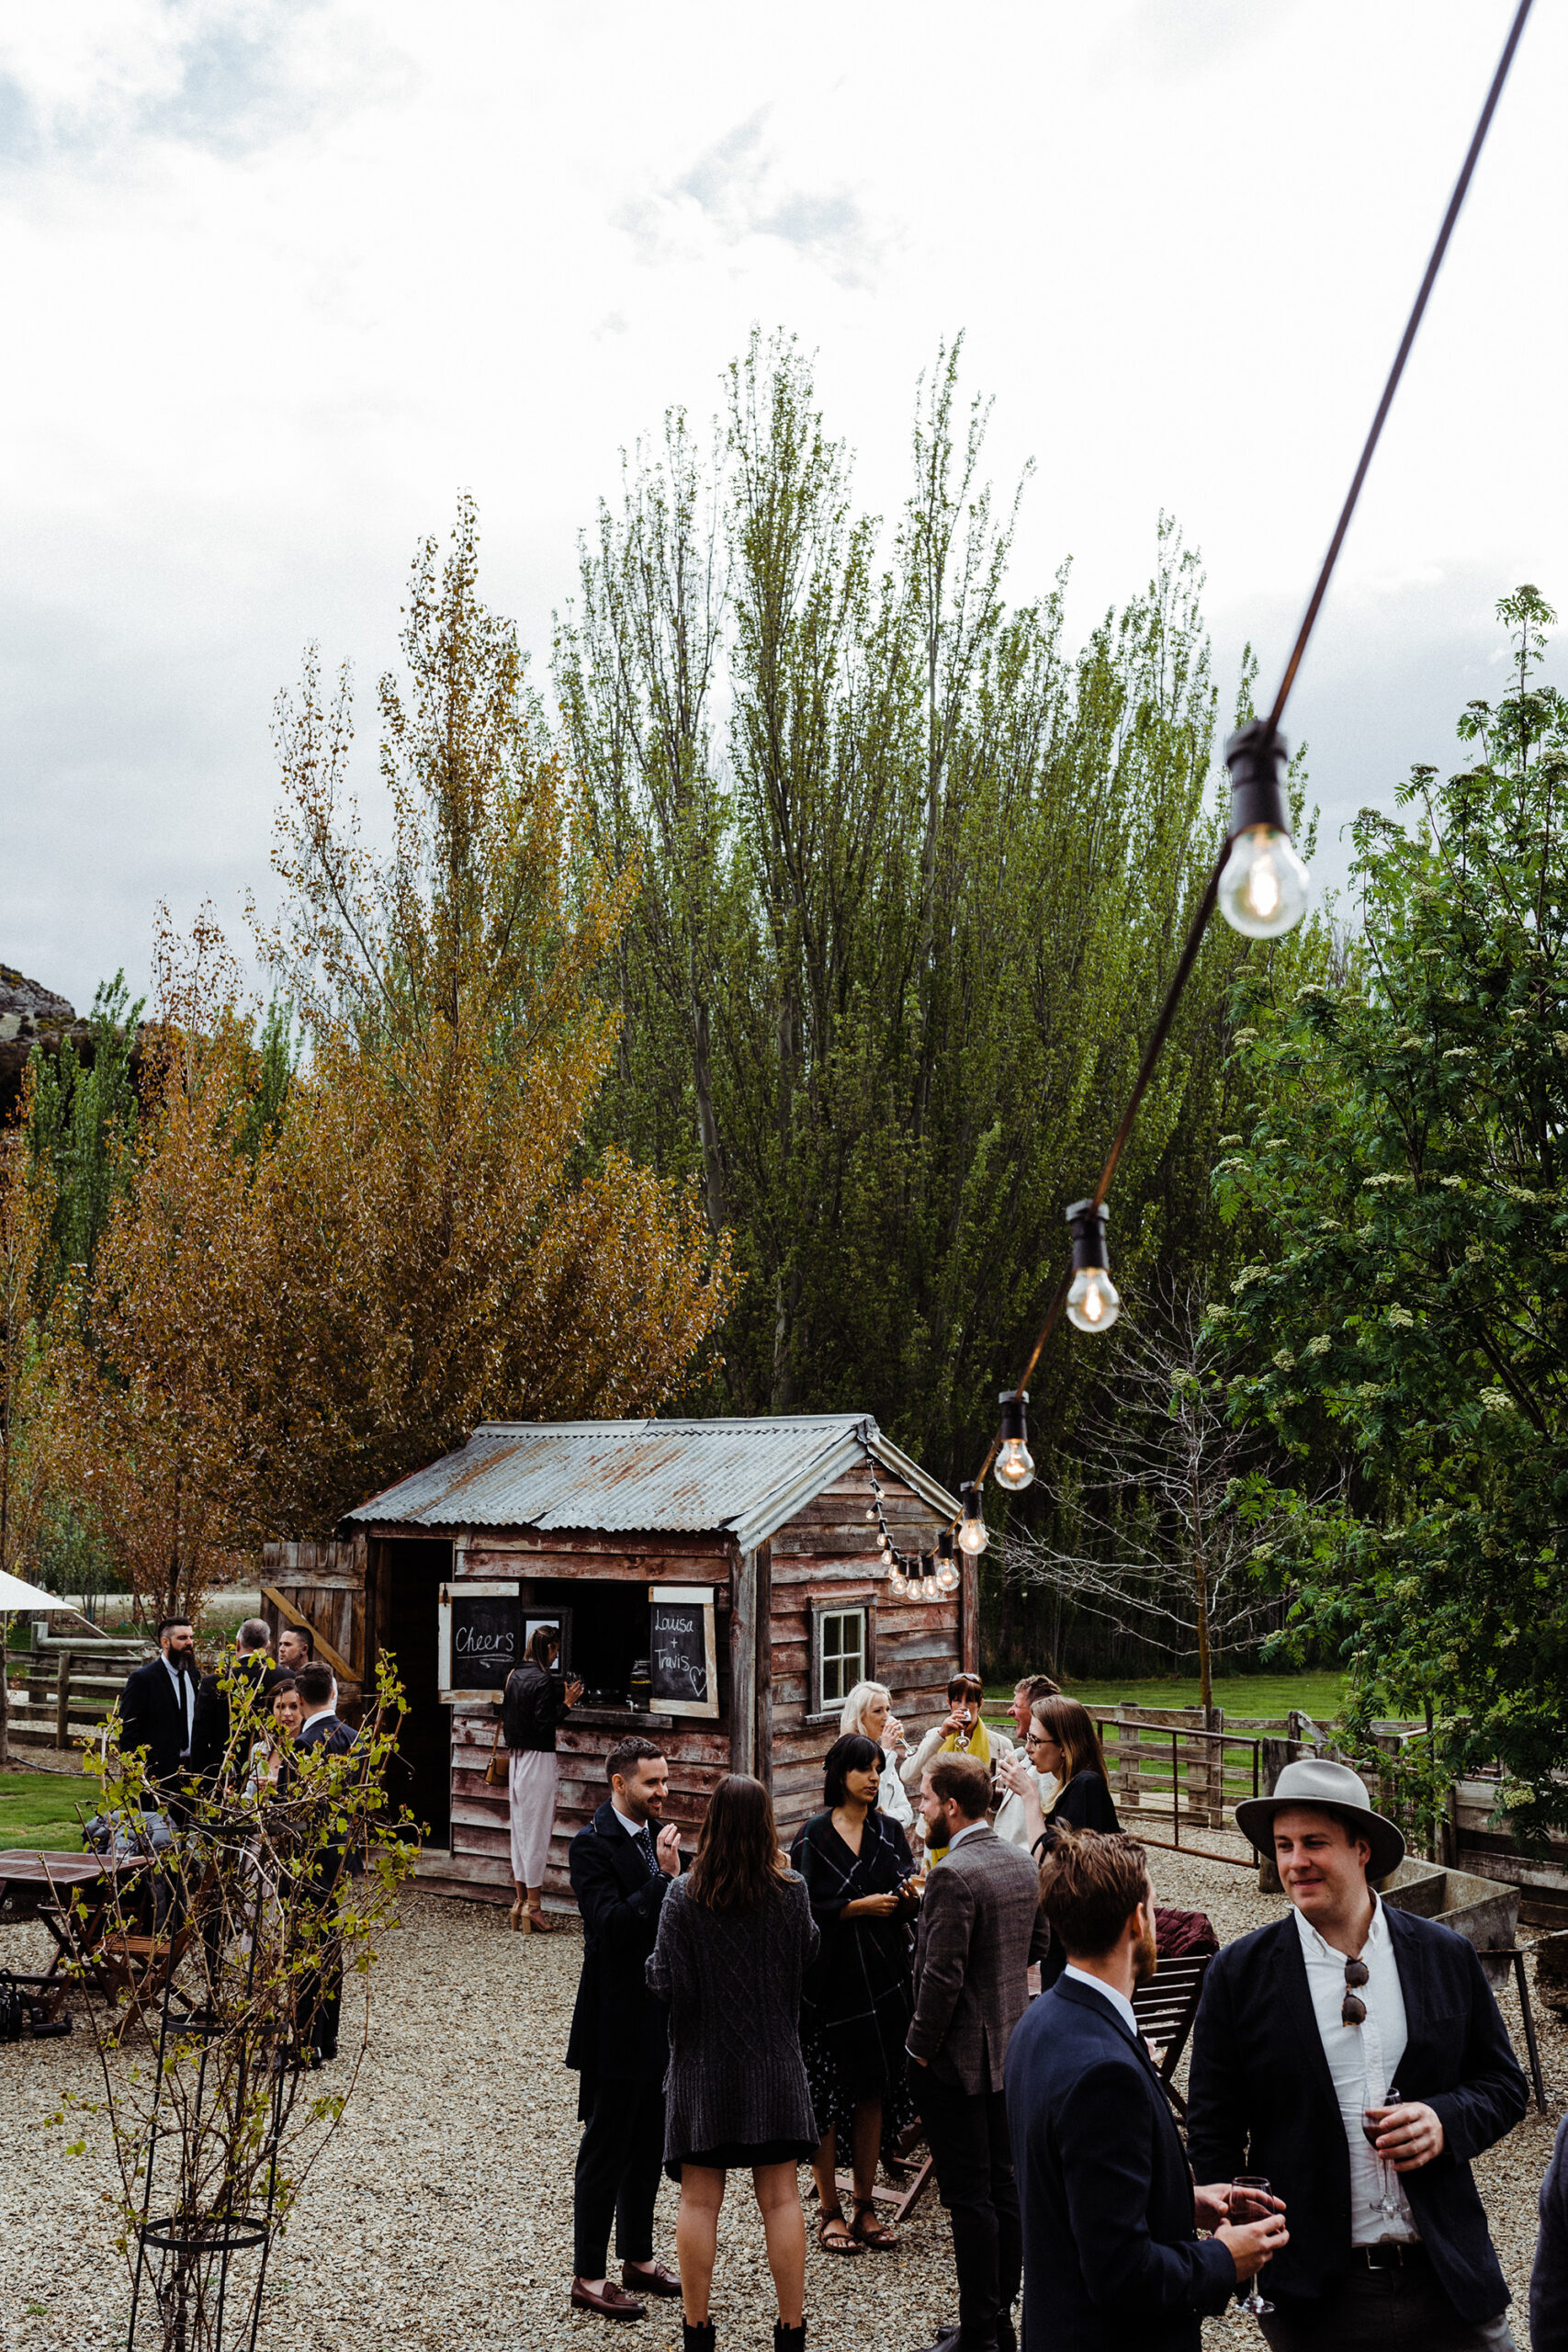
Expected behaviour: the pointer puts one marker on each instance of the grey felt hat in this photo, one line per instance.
(1331, 1788)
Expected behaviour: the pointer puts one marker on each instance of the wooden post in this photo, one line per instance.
(744, 1635)
(969, 1613)
(1129, 1758)
(764, 1653)
(63, 1703)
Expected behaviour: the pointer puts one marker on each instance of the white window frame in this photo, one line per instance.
(823, 1613)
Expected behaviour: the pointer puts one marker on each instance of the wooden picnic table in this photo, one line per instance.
(37, 1884)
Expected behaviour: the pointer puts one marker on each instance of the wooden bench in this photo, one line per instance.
(1165, 2008)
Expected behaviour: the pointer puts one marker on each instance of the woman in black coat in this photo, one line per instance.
(736, 1936)
(860, 1995)
(1062, 1740)
(531, 1707)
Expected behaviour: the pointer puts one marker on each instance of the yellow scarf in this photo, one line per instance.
(978, 1743)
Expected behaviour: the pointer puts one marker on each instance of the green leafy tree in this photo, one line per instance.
(912, 878)
(1408, 1310)
(81, 1127)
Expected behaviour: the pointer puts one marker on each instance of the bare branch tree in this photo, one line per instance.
(1173, 1542)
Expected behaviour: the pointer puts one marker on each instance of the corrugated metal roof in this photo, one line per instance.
(741, 1478)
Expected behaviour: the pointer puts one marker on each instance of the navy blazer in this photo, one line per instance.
(1262, 2100)
(619, 2030)
(1111, 2255)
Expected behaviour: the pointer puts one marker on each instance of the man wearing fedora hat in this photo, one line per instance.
(1304, 2029)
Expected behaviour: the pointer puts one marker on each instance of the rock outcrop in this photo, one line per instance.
(32, 1015)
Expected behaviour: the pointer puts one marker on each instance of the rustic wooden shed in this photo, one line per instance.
(748, 1541)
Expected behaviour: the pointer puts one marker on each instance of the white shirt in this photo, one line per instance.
(892, 1797)
(1012, 1824)
(1119, 2001)
(184, 1692)
(967, 1831)
(321, 1714)
(632, 1829)
(1363, 2060)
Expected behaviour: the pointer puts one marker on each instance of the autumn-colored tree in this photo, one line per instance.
(159, 1366)
(445, 1247)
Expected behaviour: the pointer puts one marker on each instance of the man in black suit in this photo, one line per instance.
(158, 1710)
(1304, 2029)
(212, 1726)
(620, 2042)
(980, 1929)
(320, 2000)
(1111, 2255)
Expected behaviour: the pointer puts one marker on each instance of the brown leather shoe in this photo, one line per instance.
(614, 2303)
(651, 2278)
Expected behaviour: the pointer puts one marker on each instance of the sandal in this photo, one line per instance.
(844, 2244)
(537, 1923)
(866, 2230)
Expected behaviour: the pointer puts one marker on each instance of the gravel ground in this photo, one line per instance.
(441, 2214)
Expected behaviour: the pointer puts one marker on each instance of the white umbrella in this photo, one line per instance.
(15, 1594)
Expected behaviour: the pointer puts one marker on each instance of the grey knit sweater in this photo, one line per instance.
(732, 1981)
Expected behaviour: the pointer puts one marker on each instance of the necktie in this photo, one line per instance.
(645, 1841)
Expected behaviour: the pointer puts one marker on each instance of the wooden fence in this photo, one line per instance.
(63, 1691)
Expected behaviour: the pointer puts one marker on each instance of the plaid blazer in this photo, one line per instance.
(981, 1925)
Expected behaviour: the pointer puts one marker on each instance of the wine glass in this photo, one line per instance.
(1248, 2201)
(1388, 2203)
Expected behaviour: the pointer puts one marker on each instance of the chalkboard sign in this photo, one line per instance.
(683, 1660)
(481, 1638)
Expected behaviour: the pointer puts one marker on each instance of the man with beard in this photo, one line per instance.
(158, 1712)
(622, 1864)
(1111, 2255)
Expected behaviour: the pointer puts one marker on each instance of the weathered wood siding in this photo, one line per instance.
(698, 1751)
(827, 1553)
(326, 1584)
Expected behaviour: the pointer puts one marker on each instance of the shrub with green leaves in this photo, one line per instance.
(1410, 1315)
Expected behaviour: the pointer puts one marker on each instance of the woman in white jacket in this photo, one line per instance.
(869, 1710)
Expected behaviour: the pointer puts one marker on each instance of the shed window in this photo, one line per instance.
(840, 1655)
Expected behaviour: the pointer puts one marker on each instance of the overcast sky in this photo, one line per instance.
(280, 276)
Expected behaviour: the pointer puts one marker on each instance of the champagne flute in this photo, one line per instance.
(1388, 2203)
(1249, 2203)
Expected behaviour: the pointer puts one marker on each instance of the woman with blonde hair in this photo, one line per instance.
(869, 1711)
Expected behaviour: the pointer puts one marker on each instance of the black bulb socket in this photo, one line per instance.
(1087, 1225)
(973, 1504)
(1256, 757)
(944, 1548)
(1012, 1402)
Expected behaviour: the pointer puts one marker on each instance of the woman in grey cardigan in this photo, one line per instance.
(736, 1936)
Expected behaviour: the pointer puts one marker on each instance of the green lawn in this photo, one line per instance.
(1321, 1695)
(40, 1809)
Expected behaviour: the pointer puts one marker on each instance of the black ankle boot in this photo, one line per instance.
(698, 2338)
(789, 2339)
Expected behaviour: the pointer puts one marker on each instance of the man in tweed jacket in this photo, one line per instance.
(981, 1927)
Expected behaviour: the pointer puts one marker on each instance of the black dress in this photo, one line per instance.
(1084, 1804)
(859, 1993)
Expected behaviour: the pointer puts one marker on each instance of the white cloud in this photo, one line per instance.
(281, 274)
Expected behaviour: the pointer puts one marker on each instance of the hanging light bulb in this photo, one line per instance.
(1093, 1299)
(947, 1567)
(1264, 887)
(973, 1533)
(1014, 1465)
(930, 1589)
(899, 1584)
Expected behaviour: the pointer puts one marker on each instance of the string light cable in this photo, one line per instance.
(1258, 884)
